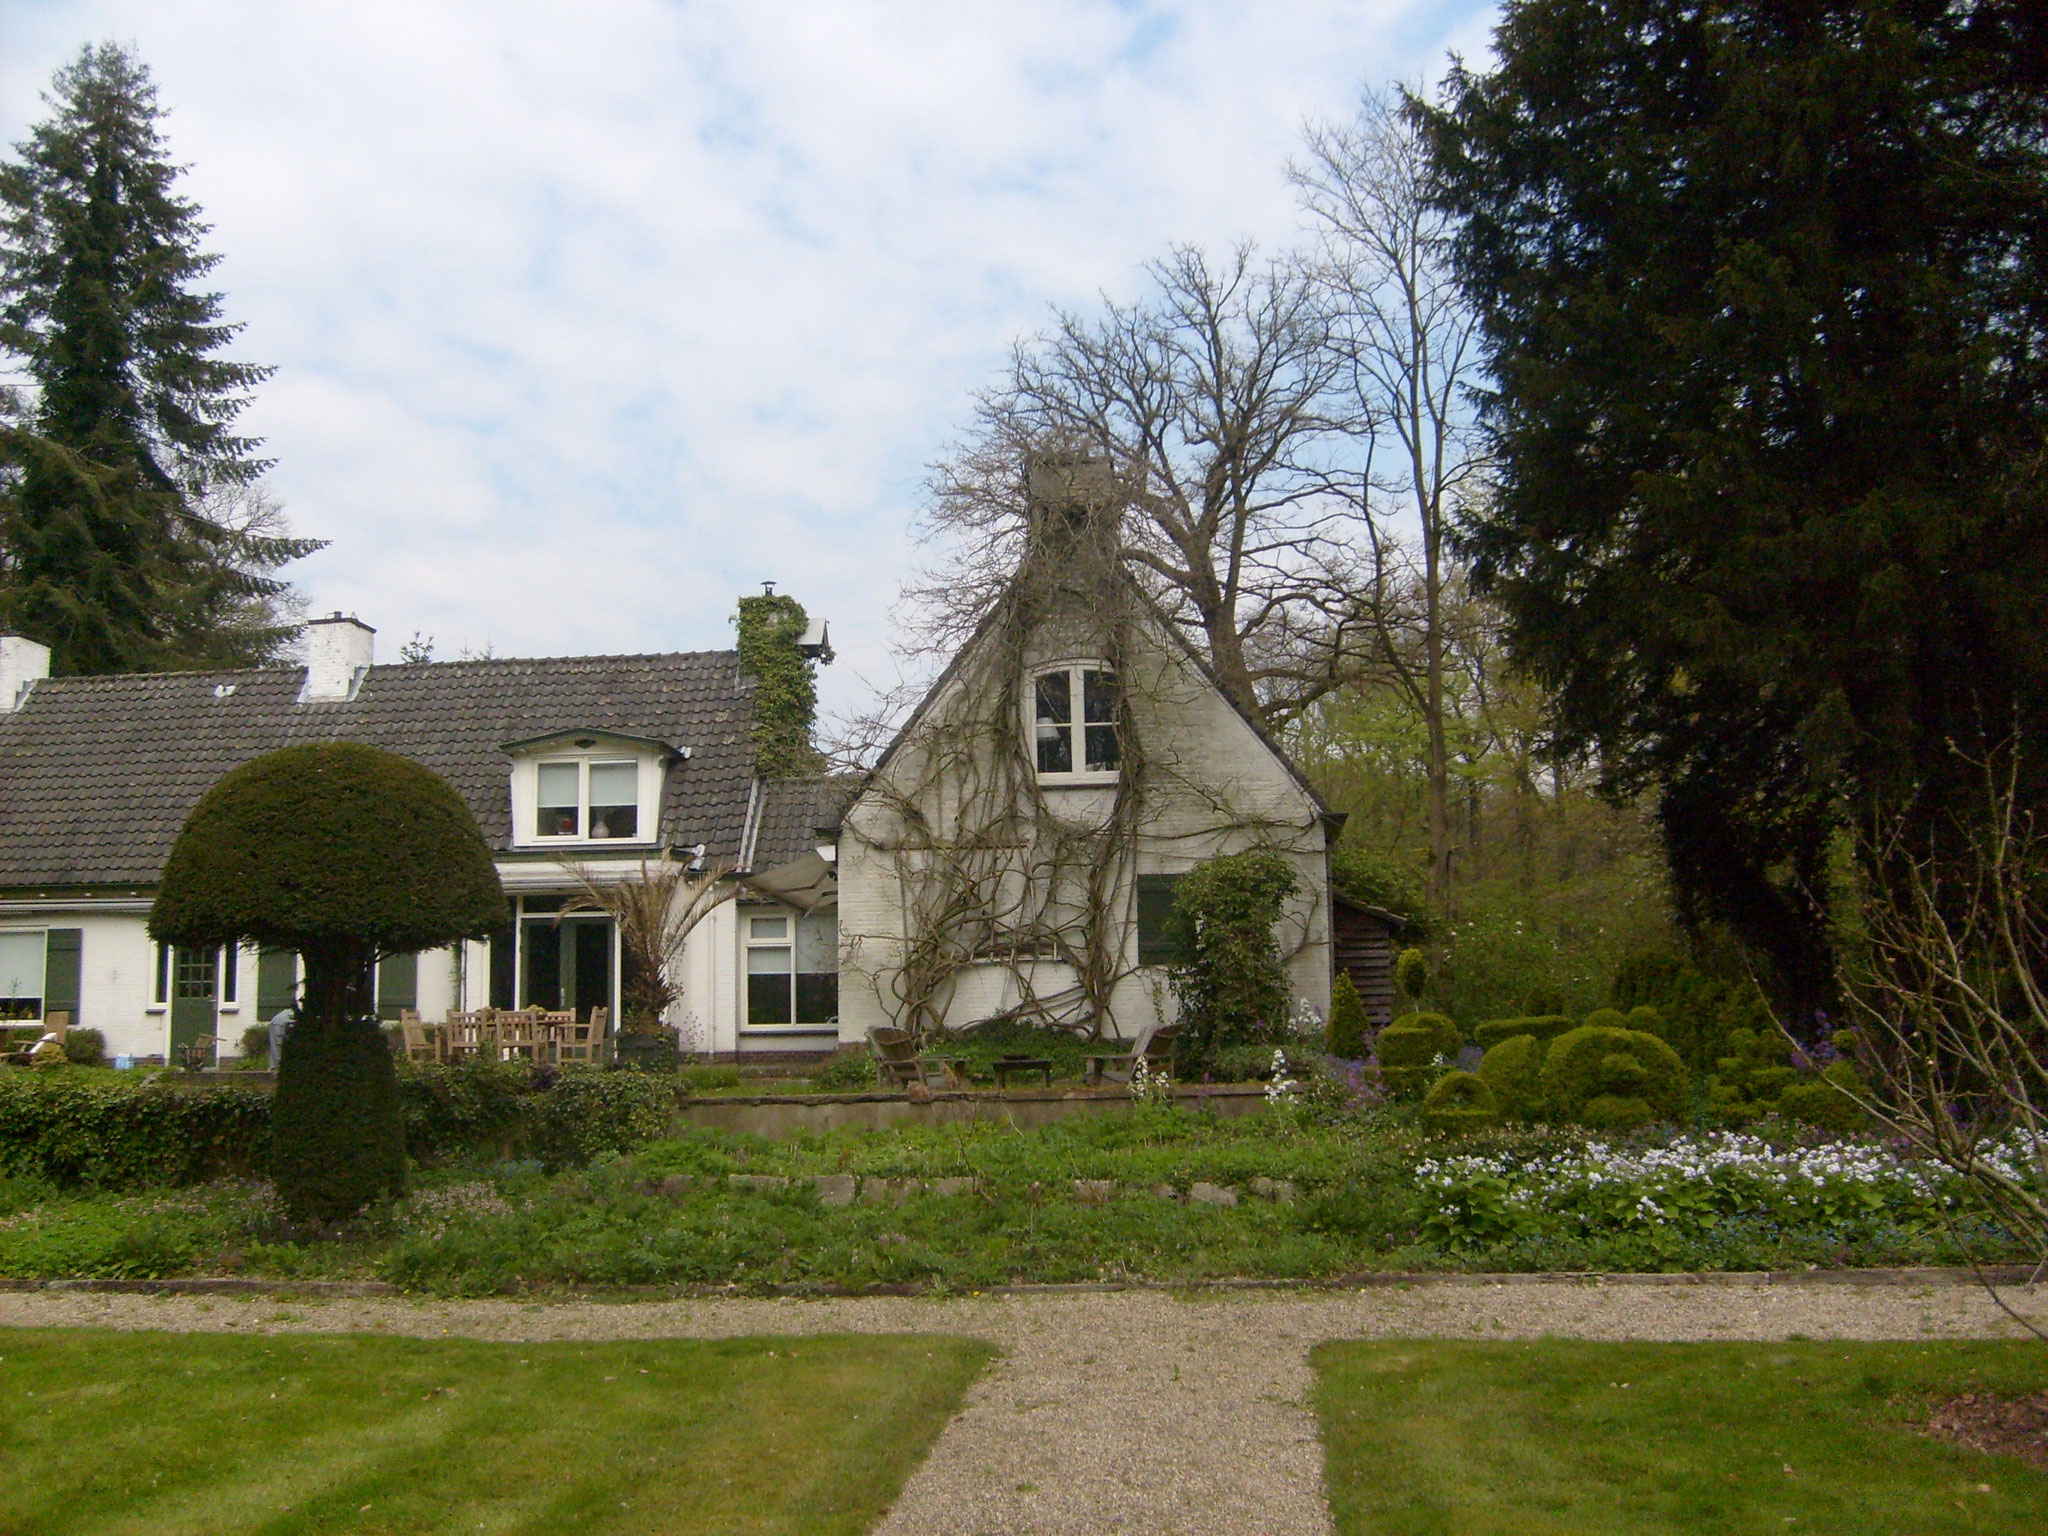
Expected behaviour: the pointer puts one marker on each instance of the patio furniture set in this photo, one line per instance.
(899, 1063)
(551, 1037)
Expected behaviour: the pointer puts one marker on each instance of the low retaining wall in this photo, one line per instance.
(785, 1114)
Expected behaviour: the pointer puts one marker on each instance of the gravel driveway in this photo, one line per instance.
(1131, 1412)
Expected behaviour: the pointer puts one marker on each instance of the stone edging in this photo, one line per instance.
(227, 1285)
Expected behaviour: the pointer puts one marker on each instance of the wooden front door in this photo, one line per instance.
(195, 997)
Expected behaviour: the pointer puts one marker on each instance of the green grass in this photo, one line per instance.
(1552, 1438)
(207, 1434)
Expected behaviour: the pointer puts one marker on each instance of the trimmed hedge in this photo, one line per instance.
(1545, 1027)
(114, 1131)
(1460, 1102)
(1408, 1049)
(1591, 1074)
(72, 1128)
(1513, 1069)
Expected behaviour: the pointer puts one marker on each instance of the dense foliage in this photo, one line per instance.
(1230, 980)
(785, 687)
(131, 535)
(1765, 297)
(95, 1129)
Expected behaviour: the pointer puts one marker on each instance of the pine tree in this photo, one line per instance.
(133, 532)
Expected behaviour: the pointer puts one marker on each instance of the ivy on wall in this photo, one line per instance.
(785, 686)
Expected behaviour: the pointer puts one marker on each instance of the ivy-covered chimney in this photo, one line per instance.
(779, 650)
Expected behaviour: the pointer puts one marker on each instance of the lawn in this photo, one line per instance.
(1552, 1438)
(209, 1434)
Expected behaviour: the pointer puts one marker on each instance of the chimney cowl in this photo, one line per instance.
(339, 650)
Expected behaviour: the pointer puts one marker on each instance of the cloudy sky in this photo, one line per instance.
(588, 318)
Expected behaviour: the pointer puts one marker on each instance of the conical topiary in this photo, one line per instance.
(1345, 1035)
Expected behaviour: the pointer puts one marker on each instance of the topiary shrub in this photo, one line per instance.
(1411, 974)
(1513, 1069)
(85, 1048)
(120, 1131)
(1606, 1018)
(1824, 1101)
(346, 854)
(1543, 1002)
(1412, 1050)
(1345, 1036)
(1545, 1027)
(1231, 982)
(1600, 1062)
(847, 1072)
(1459, 1103)
(586, 1113)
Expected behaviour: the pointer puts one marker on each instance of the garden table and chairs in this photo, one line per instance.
(540, 1036)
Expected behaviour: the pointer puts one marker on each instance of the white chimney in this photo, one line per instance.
(338, 653)
(22, 662)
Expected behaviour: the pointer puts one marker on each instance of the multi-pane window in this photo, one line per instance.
(603, 796)
(1074, 721)
(792, 968)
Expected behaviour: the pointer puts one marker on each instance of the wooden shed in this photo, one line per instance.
(1362, 943)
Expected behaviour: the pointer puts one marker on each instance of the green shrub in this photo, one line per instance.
(588, 1112)
(1411, 974)
(984, 1043)
(1545, 1027)
(1229, 1064)
(1513, 1069)
(1345, 1036)
(1409, 1052)
(1231, 981)
(1380, 882)
(1543, 1001)
(256, 1044)
(1600, 1062)
(85, 1048)
(128, 1134)
(1606, 1018)
(1459, 1103)
(848, 1072)
(1824, 1101)
(466, 1107)
(1697, 1013)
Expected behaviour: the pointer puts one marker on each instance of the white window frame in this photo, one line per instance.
(583, 762)
(42, 938)
(1076, 727)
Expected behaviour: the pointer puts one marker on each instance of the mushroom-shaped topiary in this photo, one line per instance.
(346, 854)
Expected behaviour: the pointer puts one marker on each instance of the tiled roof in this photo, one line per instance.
(97, 774)
(790, 813)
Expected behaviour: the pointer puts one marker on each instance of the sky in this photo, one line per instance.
(589, 319)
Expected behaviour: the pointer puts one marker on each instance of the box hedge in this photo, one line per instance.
(1408, 1052)
(1545, 1027)
(1599, 1063)
(1458, 1103)
(1513, 1069)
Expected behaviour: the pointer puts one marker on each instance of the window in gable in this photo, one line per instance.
(1064, 736)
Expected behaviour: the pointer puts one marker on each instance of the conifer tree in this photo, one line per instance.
(133, 532)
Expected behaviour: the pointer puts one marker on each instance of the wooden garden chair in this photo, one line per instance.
(422, 1040)
(521, 1034)
(1154, 1047)
(56, 1025)
(574, 1042)
(896, 1063)
(469, 1033)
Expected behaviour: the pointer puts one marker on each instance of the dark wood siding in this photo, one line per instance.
(1363, 944)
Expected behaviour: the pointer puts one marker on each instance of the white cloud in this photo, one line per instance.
(589, 318)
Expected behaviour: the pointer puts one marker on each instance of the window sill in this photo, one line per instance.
(789, 1029)
(1078, 780)
(158, 1008)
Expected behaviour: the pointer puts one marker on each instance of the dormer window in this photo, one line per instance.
(598, 787)
(1074, 730)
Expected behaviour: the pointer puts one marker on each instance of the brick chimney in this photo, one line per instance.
(22, 661)
(338, 653)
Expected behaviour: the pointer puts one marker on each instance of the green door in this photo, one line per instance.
(195, 993)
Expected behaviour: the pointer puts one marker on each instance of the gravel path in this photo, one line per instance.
(1130, 1412)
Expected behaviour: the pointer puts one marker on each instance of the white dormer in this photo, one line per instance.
(587, 788)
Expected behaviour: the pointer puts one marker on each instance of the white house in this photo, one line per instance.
(597, 760)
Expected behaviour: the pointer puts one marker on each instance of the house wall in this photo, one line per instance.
(1212, 786)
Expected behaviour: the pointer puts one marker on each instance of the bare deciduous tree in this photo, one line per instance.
(1210, 404)
(1408, 342)
(1951, 1008)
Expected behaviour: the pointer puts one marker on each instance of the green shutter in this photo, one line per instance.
(1155, 920)
(277, 982)
(63, 951)
(398, 985)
